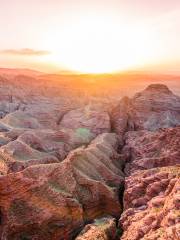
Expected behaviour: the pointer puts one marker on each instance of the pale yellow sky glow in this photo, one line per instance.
(90, 36)
(101, 45)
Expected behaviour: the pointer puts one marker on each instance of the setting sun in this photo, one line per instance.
(90, 36)
(89, 119)
(100, 45)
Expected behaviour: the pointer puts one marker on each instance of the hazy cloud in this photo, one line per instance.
(24, 52)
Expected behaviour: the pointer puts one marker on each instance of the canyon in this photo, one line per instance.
(86, 166)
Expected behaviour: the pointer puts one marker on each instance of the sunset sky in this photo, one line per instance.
(90, 36)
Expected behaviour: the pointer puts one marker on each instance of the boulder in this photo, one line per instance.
(102, 229)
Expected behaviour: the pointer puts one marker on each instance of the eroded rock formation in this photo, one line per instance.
(145, 149)
(53, 201)
(155, 107)
(152, 187)
(62, 167)
(102, 229)
(151, 205)
(28, 140)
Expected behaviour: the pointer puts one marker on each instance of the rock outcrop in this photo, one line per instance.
(151, 205)
(27, 139)
(88, 119)
(152, 189)
(155, 107)
(62, 170)
(148, 128)
(102, 229)
(145, 149)
(53, 201)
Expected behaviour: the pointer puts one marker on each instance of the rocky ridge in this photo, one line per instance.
(151, 153)
(58, 199)
(155, 107)
(62, 167)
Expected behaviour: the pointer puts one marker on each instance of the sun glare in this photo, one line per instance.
(94, 45)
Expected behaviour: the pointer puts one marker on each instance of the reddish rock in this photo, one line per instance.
(151, 205)
(152, 158)
(38, 147)
(102, 229)
(89, 119)
(53, 201)
(28, 139)
(144, 149)
(155, 107)
(49, 191)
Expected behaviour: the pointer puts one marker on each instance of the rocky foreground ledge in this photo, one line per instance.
(91, 172)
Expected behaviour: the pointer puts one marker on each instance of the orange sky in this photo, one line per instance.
(90, 36)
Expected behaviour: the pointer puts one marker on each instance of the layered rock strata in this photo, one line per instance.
(53, 201)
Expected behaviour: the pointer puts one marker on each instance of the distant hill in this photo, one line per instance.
(19, 71)
(117, 84)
